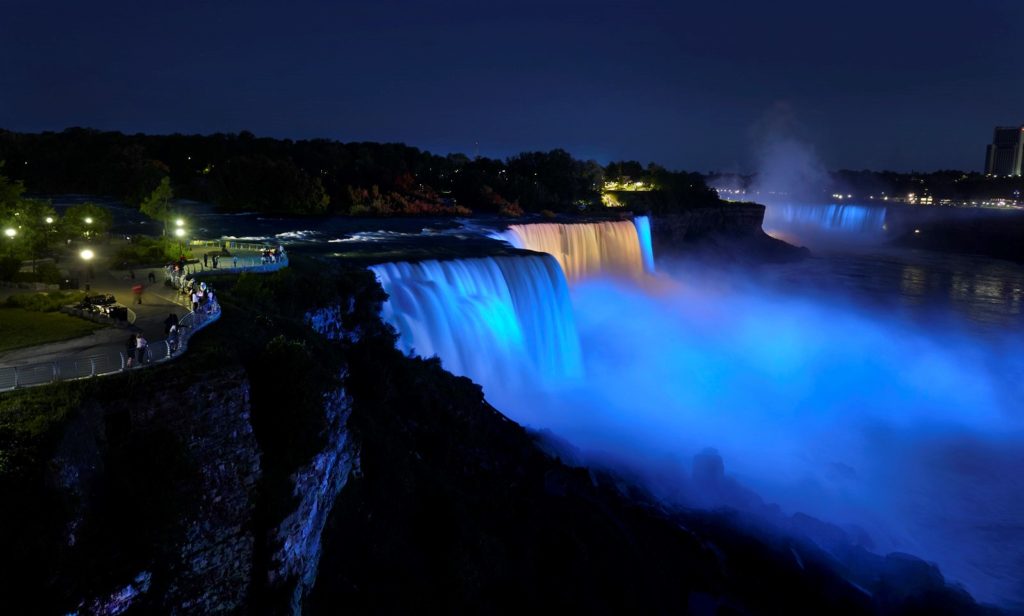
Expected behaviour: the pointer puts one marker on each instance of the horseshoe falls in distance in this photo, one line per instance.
(826, 224)
(507, 321)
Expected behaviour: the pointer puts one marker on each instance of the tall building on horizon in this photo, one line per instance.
(1005, 155)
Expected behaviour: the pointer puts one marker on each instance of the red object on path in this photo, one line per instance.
(137, 289)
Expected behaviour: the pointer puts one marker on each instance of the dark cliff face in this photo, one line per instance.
(725, 232)
(147, 499)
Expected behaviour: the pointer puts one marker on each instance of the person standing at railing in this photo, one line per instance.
(129, 350)
(140, 349)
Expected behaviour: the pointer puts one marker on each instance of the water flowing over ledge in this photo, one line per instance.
(590, 249)
(846, 218)
(494, 319)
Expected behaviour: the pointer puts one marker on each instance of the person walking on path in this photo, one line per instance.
(129, 350)
(170, 322)
(140, 349)
(234, 261)
(172, 339)
(205, 257)
(137, 292)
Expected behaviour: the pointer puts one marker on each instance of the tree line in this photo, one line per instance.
(243, 172)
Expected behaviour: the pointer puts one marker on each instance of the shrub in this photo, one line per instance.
(9, 266)
(44, 302)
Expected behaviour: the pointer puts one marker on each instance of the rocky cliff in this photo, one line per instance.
(729, 231)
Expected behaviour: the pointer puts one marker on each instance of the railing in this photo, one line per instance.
(110, 362)
(231, 245)
(233, 266)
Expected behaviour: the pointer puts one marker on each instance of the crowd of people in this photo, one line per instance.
(272, 255)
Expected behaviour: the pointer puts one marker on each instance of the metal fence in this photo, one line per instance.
(108, 362)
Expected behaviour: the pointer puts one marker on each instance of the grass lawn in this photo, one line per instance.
(22, 328)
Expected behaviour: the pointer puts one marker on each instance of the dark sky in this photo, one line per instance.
(901, 84)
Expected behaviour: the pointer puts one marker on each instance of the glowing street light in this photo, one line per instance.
(10, 232)
(88, 220)
(49, 220)
(180, 233)
(87, 255)
(179, 223)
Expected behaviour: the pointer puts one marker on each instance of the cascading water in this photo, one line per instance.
(498, 320)
(832, 221)
(589, 249)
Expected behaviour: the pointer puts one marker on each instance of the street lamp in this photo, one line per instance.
(179, 223)
(87, 256)
(180, 233)
(49, 220)
(88, 220)
(11, 232)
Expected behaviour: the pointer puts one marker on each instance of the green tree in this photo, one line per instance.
(86, 220)
(158, 204)
(38, 228)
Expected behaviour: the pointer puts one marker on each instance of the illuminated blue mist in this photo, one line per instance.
(899, 423)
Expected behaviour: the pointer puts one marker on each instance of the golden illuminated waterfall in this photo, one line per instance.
(589, 249)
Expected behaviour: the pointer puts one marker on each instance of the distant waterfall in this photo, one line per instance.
(850, 219)
(588, 249)
(494, 319)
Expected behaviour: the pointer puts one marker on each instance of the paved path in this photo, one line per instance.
(157, 302)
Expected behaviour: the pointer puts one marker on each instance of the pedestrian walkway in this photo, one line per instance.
(104, 352)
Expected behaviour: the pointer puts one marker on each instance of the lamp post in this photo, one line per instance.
(180, 233)
(87, 255)
(10, 232)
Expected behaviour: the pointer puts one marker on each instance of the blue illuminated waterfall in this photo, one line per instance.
(843, 218)
(507, 319)
(497, 320)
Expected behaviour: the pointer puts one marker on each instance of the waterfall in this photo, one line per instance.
(502, 321)
(832, 218)
(587, 249)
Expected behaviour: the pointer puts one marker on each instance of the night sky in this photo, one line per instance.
(871, 84)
